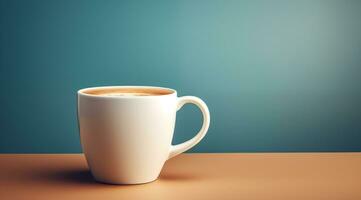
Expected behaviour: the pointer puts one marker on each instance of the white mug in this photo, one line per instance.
(127, 139)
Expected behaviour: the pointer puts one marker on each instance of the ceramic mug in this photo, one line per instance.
(126, 139)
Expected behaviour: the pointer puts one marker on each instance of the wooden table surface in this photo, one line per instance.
(190, 176)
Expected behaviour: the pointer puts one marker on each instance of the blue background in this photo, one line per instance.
(276, 75)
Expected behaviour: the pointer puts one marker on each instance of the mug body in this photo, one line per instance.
(126, 139)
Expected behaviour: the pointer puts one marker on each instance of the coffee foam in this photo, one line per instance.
(124, 91)
(126, 94)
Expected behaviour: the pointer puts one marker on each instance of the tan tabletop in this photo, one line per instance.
(190, 176)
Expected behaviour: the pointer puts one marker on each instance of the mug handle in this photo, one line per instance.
(180, 148)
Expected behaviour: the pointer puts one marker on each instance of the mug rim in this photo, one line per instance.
(82, 92)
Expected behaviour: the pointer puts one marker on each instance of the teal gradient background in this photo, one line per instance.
(276, 75)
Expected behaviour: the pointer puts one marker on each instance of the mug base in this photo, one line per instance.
(124, 182)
